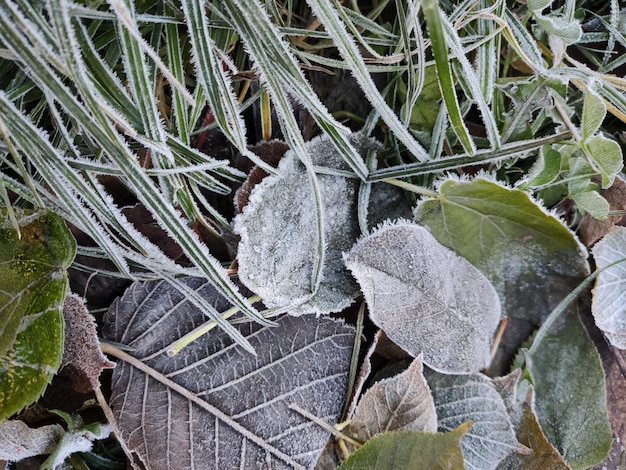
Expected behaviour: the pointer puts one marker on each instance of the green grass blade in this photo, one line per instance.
(446, 82)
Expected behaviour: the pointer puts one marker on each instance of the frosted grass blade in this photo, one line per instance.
(327, 14)
(446, 82)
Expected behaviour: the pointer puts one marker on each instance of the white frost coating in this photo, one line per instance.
(609, 296)
(474, 397)
(426, 298)
(278, 236)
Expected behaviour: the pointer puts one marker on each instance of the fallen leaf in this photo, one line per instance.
(474, 398)
(279, 247)
(400, 403)
(82, 357)
(426, 298)
(532, 259)
(609, 295)
(528, 432)
(215, 405)
(408, 450)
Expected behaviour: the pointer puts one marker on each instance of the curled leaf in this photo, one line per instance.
(426, 298)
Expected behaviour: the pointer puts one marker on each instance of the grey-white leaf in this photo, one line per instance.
(609, 295)
(426, 298)
(399, 403)
(214, 405)
(18, 441)
(474, 398)
(279, 243)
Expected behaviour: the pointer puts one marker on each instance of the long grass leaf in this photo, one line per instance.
(211, 74)
(439, 47)
(516, 149)
(473, 83)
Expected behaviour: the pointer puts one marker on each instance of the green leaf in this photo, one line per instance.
(517, 245)
(410, 449)
(538, 5)
(608, 304)
(569, 32)
(570, 399)
(593, 203)
(594, 112)
(78, 438)
(547, 167)
(34, 282)
(606, 156)
(446, 82)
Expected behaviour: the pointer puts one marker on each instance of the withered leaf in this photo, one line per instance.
(82, 357)
(215, 405)
(399, 403)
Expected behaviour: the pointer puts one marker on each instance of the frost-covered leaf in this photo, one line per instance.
(409, 450)
(511, 239)
(569, 32)
(547, 167)
(82, 357)
(527, 97)
(592, 203)
(609, 296)
(33, 282)
(279, 246)
(426, 298)
(594, 112)
(400, 403)
(606, 156)
(570, 401)
(18, 441)
(590, 229)
(474, 398)
(78, 438)
(214, 405)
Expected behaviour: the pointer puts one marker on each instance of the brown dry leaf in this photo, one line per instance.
(82, 359)
(399, 403)
(591, 230)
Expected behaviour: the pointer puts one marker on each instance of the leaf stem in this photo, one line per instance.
(324, 425)
(178, 345)
(411, 187)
